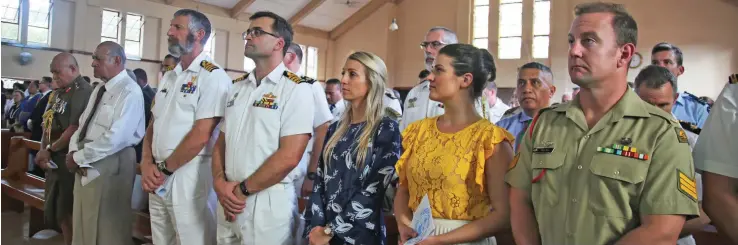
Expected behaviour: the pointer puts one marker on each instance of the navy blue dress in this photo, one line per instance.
(347, 199)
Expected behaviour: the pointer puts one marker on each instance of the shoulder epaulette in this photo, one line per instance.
(307, 79)
(292, 76)
(392, 113)
(241, 78)
(695, 98)
(733, 79)
(390, 95)
(208, 66)
(510, 111)
(168, 68)
(691, 127)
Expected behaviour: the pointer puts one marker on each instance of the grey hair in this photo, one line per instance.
(654, 76)
(115, 50)
(198, 21)
(449, 36)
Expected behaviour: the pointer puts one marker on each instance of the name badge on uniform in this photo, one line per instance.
(190, 87)
(230, 102)
(545, 147)
(411, 102)
(267, 101)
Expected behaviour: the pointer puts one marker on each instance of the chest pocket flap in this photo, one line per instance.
(619, 168)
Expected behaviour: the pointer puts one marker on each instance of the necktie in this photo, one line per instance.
(332, 107)
(519, 137)
(83, 132)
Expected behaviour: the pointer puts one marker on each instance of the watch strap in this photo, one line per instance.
(243, 188)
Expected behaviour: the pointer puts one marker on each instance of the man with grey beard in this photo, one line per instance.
(177, 149)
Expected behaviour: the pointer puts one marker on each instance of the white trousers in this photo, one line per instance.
(444, 226)
(269, 218)
(186, 214)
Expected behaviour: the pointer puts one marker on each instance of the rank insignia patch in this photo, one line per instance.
(686, 185)
(681, 135)
(267, 101)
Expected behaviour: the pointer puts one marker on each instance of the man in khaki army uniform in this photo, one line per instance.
(61, 120)
(606, 168)
(716, 156)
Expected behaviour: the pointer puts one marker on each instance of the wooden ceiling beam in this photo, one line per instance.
(240, 7)
(305, 11)
(357, 18)
(310, 31)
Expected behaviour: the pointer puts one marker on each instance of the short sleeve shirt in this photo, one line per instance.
(418, 105)
(185, 96)
(258, 115)
(715, 150)
(591, 186)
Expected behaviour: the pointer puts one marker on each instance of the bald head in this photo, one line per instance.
(64, 69)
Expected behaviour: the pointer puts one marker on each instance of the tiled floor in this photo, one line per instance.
(15, 228)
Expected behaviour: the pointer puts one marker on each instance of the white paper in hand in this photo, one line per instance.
(164, 188)
(52, 165)
(422, 222)
(92, 174)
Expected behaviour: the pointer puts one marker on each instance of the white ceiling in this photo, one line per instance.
(326, 16)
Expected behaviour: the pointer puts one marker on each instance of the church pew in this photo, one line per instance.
(20, 188)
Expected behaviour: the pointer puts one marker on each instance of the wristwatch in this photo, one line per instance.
(328, 231)
(244, 190)
(312, 176)
(162, 166)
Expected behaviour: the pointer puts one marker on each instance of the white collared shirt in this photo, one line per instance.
(256, 117)
(418, 105)
(338, 110)
(184, 97)
(715, 150)
(391, 102)
(322, 115)
(117, 124)
(496, 112)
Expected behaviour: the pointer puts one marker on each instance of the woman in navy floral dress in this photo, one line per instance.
(357, 162)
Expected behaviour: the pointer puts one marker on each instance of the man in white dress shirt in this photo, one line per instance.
(496, 106)
(178, 144)
(335, 99)
(657, 86)
(110, 126)
(265, 131)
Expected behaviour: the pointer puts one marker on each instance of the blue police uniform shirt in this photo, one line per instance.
(691, 109)
(516, 125)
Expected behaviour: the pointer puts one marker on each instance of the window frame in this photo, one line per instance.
(104, 38)
(125, 37)
(474, 22)
(17, 23)
(547, 36)
(500, 37)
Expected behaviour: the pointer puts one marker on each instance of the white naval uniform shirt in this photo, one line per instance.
(715, 151)
(338, 110)
(185, 96)
(256, 117)
(117, 124)
(418, 105)
(322, 115)
(391, 102)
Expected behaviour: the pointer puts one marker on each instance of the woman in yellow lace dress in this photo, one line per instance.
(458, 159)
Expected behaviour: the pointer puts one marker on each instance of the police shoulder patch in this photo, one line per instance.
(510, 111)
(691, 127)
(307, 79)
(514, 162)
(241, 78)
(681, 135)
(208, 66)
(686, 185)
(694, 98)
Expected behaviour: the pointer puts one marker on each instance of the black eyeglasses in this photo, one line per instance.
(434, 44)
(256, 32)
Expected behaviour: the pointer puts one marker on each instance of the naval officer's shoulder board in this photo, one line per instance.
(297, 79)
(691, 127)
(207, 65)
(241, 78)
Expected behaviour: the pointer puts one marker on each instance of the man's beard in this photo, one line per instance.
(177, 49)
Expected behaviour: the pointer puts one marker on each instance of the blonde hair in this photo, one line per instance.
(376, 76)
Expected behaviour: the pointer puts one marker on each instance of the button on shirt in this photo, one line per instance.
(185, 96)
(689, 108)
(256, 117)
(516, 125)
(715, 150)
(118, 122)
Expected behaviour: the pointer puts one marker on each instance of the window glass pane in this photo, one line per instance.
(540, 47)
(110, 23)
(481, 21)
(248, 64)
(542, 18)
(511, 20)
(134, 26)
(38, 35)
(481, 43)
(511, 1)
(481, 2)
(133, 48)
(105, 39)
(9, 31)
(509, 48)
(9, 10)
(38, 14)
(312, 64)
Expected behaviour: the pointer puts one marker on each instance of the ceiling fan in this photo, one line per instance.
(350, 3)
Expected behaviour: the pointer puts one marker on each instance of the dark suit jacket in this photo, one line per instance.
(148, 94)
(37, 117)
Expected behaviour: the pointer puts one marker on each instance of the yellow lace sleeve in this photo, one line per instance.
(408, 141)
(494, 135)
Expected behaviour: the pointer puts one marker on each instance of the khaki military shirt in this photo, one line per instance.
(592, 186)
(66, 108)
